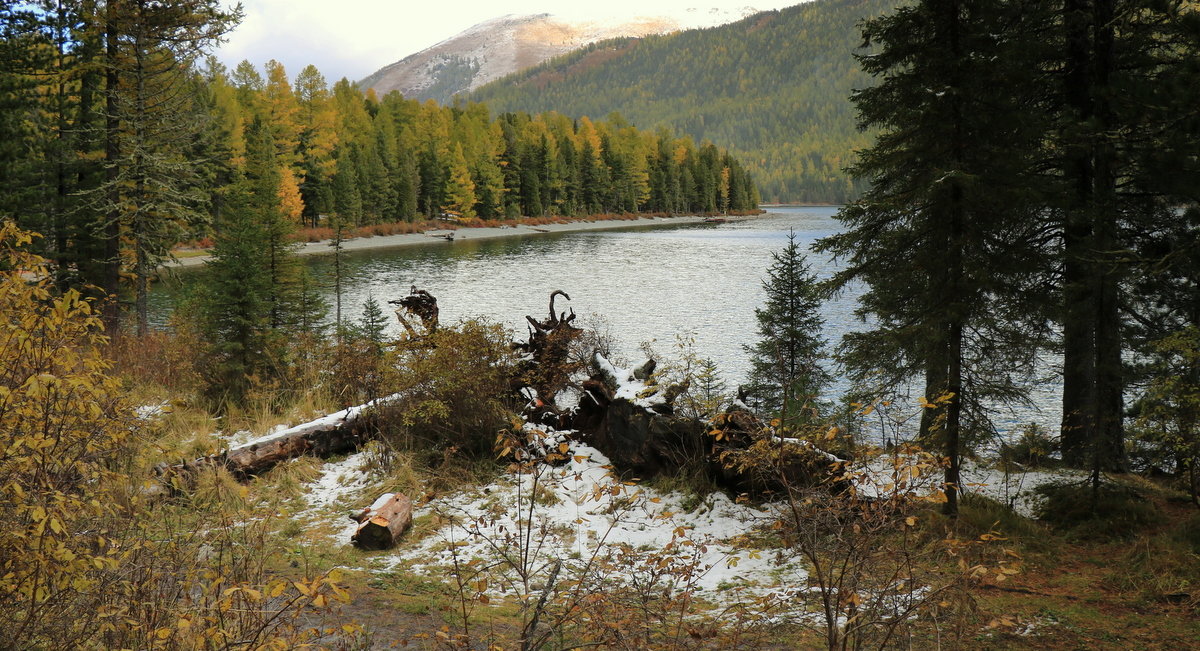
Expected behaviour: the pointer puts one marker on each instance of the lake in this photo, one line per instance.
(644, 285)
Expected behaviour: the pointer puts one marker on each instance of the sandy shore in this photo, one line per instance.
(438, 236)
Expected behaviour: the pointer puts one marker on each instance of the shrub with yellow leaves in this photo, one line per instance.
(60, 423)
(84, 561)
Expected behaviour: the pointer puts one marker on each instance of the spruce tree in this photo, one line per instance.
(152, 190)
(256, 295)
(947, 239)
(786, 377)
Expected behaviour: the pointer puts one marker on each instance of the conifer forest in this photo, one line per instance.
(260, 462)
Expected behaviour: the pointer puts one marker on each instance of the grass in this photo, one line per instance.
(1124, 575)
(1108, 511)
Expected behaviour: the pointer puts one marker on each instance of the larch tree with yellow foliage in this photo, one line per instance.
(460, 189)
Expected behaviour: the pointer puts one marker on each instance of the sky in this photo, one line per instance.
(353, 38)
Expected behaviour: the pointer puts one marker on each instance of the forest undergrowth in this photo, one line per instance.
(1045, 583)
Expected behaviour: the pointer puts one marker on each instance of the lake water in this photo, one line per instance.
(648, 284)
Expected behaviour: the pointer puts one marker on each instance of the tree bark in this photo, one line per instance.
(1079, 398)
(1110, 431)
(111, 224)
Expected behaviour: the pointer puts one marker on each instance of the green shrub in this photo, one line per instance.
(456, 386)
(1032, 449)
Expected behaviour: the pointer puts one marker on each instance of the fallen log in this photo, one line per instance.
(383, 523)
(339, 432)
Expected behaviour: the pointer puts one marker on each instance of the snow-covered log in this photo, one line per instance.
(336, 433)
(384, 522)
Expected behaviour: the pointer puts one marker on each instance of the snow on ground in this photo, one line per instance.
(579, 509)
(150, 412)
(580, 512)
(1015, 490)
(338, 491)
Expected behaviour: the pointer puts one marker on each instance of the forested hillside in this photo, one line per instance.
(773, 87)
(117, 148)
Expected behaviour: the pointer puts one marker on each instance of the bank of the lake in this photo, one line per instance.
(639, 282)
(437, 236)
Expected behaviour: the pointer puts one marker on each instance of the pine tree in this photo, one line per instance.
(786, 377)
(947, 233)
(373, 324)
(232, 305)
(257, 294)
(151, 190)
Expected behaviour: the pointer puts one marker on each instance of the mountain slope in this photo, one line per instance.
(501, 46)
(773, 88)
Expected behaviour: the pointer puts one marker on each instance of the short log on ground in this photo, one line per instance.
(383, 523)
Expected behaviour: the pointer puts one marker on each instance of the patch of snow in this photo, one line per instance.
(1015, 490)
(150, 412)
(339, 481)
(581, 510)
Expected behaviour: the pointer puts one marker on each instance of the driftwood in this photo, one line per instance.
(549, 367)
(421, 304)
(383, 523)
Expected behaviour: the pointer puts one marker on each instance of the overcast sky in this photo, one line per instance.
(353, 38)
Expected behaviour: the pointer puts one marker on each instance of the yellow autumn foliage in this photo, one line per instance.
(59, 425)
(86, 561)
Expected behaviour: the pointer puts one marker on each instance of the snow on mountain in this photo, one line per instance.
(501, 46)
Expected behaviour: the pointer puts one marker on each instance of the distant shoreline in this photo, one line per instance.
(437, 237)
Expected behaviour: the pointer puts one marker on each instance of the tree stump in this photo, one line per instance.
(383, 523)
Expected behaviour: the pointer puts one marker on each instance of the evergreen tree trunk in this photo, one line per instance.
(111, 228)
(1093, 383)
(1109, 433)
(954, 269)
(1079, 399)
(138, 226)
